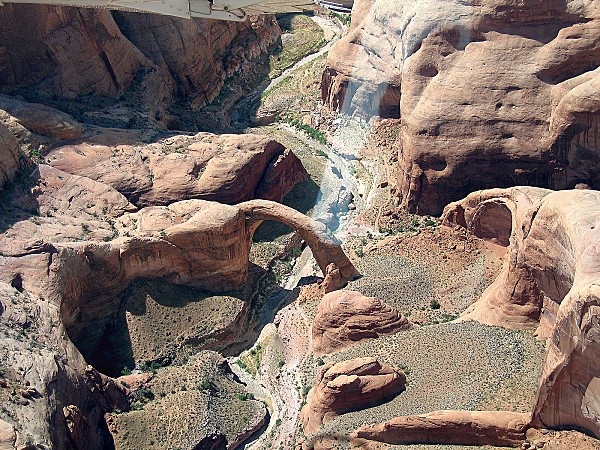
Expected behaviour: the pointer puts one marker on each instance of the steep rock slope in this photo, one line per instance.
(490, 94)
(550, 279)
(65, 52)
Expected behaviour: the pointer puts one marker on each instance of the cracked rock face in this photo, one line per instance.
(489, 94)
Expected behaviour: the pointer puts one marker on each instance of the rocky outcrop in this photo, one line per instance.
(41, 119)
(225, 168)
(499, 428)
(346, 317)
(550, 279)
(489, 94)
(349, 386)
(63, 52)
(11, 157)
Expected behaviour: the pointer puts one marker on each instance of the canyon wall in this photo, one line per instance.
(550, 280)
(492, 93)
(65, 53)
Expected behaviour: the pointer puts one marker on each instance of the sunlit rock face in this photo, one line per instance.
(492, 93)
(66, 52)
(550, 280)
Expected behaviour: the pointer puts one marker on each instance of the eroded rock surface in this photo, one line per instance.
(499, 428)
(41, 119)
(72, 246)
(225, 168)
(348, 386)
(550, 279)
(346, 317)
(11, 157)
(490, 94)
(154, 58)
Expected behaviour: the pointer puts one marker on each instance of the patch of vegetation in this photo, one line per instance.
(142, 396)
(344, 18)
(246, 396)
(434, 304)
(302, 36)
(310, 131)
(410, 226)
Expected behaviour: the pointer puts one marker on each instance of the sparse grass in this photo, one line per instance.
(302, 36)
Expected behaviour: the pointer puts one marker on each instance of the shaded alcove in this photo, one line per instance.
(493, 222)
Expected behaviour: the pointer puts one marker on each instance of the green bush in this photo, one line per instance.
(246, 396)
(434, 304)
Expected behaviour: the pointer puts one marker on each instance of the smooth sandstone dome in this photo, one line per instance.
(489, 94)
(346, 317)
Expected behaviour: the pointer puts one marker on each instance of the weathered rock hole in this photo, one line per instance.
(429, 71)
(507, 136)
(438, 165)
(493, 222)
(499, 105)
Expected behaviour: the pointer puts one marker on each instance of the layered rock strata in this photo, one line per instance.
(349, 386)
(346, 317)
(490, 94)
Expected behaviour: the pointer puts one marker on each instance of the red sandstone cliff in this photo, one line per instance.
(491, 93)
(68, 52)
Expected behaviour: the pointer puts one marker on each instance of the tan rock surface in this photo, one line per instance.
(490, 94)
(11, 157)
(348, 386)
(345, 317)
(67, 285)
(225, 168)
(71, 245)
(42, 119)
(7, 436)
(499, 428)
